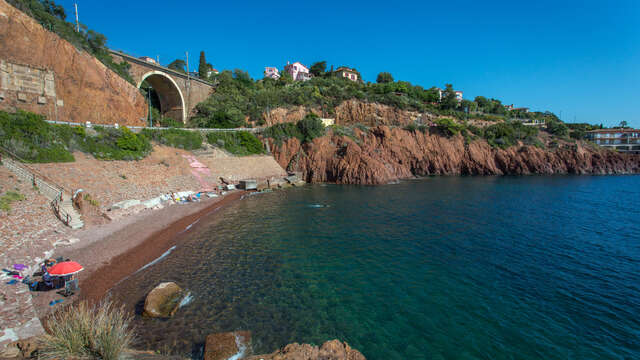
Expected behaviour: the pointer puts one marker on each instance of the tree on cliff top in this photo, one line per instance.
(384, 77)
(318, 69)
(449, 100)
(202, 67)
(178, 65)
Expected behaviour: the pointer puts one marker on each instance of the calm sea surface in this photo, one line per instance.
(440, 268)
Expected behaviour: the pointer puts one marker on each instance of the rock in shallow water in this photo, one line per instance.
(163, 300)
(223, 346)
(330, 350)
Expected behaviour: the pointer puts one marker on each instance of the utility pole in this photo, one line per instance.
(188, 87)
(187, 65)
(149, 101)
(77, 22)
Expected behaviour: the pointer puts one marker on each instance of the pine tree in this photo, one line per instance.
(202, 67)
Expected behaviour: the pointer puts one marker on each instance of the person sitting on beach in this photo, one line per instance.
(46, 277)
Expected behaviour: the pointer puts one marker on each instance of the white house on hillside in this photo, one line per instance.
(271, 72)
(458, 94)
(298, 71)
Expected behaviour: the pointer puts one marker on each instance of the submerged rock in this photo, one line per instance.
(163, 301)
(223, 346)
(330, 350)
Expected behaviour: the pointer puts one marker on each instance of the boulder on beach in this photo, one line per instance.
(222, 346)
(163, 301)
(330, 350)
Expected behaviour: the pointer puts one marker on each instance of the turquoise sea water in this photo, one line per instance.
(440, 268)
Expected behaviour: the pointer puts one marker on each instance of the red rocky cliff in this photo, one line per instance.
(384, 155)
(85, 89)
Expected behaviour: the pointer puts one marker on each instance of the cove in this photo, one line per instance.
(437, 268)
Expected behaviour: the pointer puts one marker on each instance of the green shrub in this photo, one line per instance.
(8, 198)
(170, 123)
(240, 143)
(87, 332)
(115, 144)
(34, 140)
(412, 127)
(506, 134)
(182, 139)
(311, 127)
(129, 141)
(281, 132)
(449, 126)
(557, 128)
(342, 131)
(304, 130)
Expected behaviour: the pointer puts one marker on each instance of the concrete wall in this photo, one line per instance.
(28, 88)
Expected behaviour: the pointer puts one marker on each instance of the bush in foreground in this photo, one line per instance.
(84, 331)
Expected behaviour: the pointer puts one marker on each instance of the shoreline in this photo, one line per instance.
(112, 252)
(148, 249)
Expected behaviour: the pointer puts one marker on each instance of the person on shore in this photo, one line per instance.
(46, 277)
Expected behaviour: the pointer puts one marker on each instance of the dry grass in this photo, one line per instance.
(88, 332)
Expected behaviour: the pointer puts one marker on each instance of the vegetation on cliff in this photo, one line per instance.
(239, 98)
(34, 140)
(239, 143)
(53, 18)
(304, 130)
(384, 154)
(181, 139)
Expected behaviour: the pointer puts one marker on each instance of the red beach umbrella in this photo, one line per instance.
(65, 268)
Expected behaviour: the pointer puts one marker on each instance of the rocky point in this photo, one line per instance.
(385, 154)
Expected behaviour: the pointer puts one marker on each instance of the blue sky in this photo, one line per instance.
(581, 58)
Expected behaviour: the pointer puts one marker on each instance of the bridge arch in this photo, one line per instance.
(171, 99)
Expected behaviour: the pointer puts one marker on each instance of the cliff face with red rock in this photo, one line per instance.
(353, 112)
(384, 155)
(350, 112)
(288, 115)
(85, 89)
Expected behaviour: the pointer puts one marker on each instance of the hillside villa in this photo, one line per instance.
(626, 140)
(348, 73)
(271, 72)
(298, 71)
(458, 94)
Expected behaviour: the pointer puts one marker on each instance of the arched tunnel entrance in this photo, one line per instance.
(166, 96)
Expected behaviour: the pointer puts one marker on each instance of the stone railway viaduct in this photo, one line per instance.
(178, 93)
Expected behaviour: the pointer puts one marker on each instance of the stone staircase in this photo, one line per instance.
(66, 207)
(61, 200)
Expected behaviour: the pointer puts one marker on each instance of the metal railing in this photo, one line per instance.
(63, 215)
(138, 128)
(48, 188)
